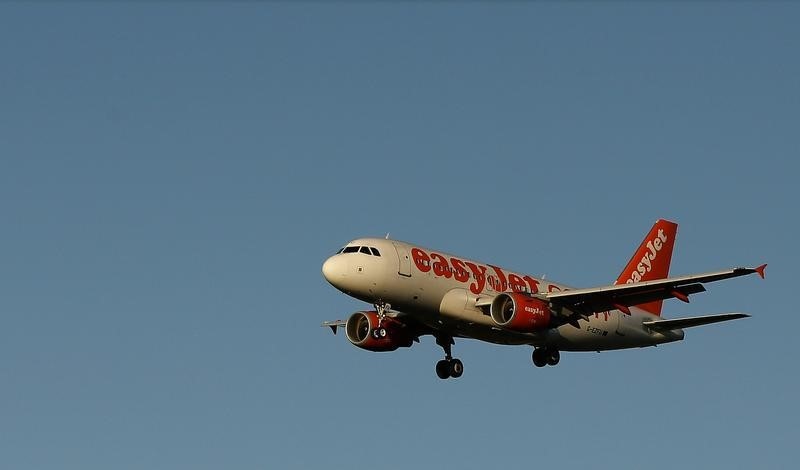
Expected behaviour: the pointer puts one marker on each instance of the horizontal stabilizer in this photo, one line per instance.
(692, 321)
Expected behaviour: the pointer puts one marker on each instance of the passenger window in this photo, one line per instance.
(375, 251)
(365, 250)
(350, 249)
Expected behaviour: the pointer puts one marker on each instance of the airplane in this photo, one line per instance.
(416, 291)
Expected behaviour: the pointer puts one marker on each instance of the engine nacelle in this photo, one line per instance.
(520, 312)
(361, 327)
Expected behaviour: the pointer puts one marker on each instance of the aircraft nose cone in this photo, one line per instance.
(332, 269)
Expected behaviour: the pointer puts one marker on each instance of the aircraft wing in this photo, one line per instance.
(622, 296)
(334, 324)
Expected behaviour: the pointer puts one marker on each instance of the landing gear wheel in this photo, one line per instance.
(443, 369)
(553, 356)
(539, 357)
(379, 333)
(448, 367)
(456, 368)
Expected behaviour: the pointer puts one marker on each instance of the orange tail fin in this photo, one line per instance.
(651, 260)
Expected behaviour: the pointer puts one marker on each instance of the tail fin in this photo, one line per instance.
(651, 260)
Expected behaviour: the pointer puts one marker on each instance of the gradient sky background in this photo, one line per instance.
(172, 177)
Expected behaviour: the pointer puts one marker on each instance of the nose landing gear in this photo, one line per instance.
(381, 308)
(448, 367)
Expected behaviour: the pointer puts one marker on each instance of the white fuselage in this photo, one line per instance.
(447, 293)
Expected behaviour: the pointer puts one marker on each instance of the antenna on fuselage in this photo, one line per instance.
(387, 235)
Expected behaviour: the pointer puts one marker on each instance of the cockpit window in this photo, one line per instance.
(367, 250)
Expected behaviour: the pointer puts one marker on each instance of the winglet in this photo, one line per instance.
(760, 270)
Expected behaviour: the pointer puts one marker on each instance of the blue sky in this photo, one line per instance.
(173, 175)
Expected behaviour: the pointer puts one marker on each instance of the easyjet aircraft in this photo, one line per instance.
(416, 291)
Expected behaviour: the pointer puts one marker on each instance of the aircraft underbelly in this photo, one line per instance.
(441, 307)
(603, 331)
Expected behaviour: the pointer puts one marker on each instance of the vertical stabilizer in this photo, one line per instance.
(651, 260)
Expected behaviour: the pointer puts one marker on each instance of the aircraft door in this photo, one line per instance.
(404, 267)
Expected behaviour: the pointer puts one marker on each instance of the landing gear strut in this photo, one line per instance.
(381, 308)
(545, 357)
(448, 367)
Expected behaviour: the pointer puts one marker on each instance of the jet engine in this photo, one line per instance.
(520, 312)
(362, 330)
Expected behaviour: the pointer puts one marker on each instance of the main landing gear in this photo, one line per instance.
(381, 308)
(545, 357)
(448, 367)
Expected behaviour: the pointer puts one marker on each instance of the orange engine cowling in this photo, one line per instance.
(519, 312)
(362, 330)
